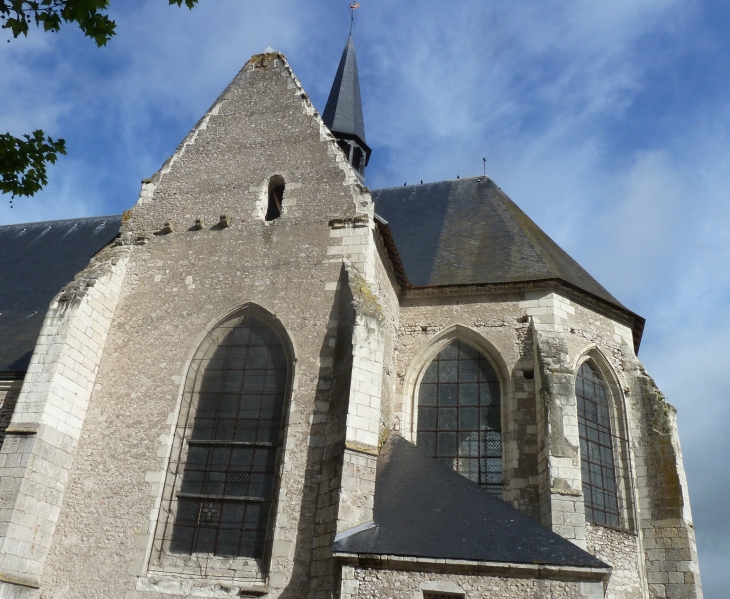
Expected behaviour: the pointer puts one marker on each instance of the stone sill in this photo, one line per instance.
(201, 587)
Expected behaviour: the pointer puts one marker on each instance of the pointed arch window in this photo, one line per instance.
(223, 472)
(459, 415)
(598, 468)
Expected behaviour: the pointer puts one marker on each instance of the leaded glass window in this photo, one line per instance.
(232, 437)
(459, 415)
(596, 447)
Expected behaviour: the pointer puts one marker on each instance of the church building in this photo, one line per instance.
(267, 380)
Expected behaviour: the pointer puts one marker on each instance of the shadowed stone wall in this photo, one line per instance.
(181, 280)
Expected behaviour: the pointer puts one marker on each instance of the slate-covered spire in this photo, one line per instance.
(343, 112)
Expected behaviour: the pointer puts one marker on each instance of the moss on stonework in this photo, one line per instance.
(366, 303)
(262, 61)
(661, 456)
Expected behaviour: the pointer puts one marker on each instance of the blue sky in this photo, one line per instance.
(608, 123)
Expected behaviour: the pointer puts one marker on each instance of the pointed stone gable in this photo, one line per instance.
(262, 125)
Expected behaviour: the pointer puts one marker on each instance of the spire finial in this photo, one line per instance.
(353, 6)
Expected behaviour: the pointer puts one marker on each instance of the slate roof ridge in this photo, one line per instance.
(423, 508)
(61, 221)
(479, 177)
(463, 232)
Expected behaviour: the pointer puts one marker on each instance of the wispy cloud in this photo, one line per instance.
(606, 122)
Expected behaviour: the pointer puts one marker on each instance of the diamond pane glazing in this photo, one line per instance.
(233, 437)
(459, 415)
(596, 448)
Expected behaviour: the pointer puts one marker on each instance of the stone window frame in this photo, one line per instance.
(623, 466)
(218, 568)
(262, 200)
(420, 362)
(439, 589)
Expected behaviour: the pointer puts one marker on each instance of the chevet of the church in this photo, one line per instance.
(267, 380)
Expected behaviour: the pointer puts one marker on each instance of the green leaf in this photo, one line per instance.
(23, 162)
(89, 15)
(188, 3)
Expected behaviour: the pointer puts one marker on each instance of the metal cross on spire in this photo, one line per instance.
(353, 6)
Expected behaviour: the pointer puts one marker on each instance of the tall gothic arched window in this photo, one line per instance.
(596, 447)
(225, 465)
(460, 416)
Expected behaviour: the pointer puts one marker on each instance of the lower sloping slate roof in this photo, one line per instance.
(468, 232)
(425, 509)
(36, 260)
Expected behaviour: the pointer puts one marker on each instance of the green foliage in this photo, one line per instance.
(17, 15)
(188, 3)
(89, 15)
(23, 162)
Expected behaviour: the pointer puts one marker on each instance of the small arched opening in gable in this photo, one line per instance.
(275, 197)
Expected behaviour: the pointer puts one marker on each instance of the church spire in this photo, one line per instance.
(343, 112)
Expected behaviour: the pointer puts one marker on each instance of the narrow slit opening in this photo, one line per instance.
(276, 198)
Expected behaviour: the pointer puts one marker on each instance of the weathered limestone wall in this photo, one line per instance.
(179, 284)
(41, 441)
(360, 402)
(565, 331)
(367, 583)
(621, 550)
(561, 497)
(665, 518)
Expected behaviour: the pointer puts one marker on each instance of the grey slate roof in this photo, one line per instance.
(343, 111)
(467, 232)
(459, 232)
(36, 260)
(424, 509)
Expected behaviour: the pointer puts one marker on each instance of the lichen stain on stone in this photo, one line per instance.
(262, 61)
(365, 301)
(661, 456)
(552, 358)
(561, 448)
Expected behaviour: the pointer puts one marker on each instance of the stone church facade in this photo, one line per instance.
(275, 382)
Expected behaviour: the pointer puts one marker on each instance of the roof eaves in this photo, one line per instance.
(393, 255)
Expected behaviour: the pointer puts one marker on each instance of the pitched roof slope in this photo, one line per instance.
(425, 509)
(36, 260)
(467, 232)
(343, 111)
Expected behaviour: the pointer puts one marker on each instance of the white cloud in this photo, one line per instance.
(543, 89)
